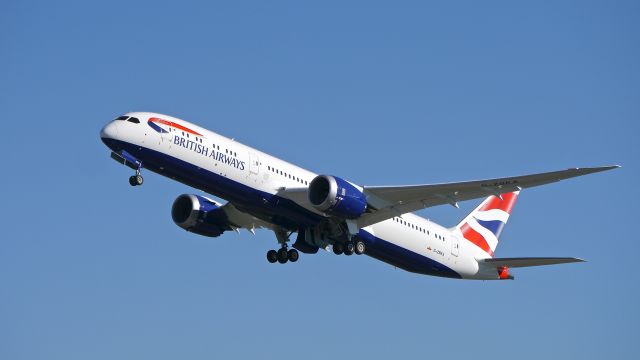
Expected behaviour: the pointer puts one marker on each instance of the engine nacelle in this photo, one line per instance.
(199, 215)
(335, 196)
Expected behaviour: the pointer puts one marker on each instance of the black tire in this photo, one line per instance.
(272, 256)
(338, 248)
(132, 180)
(349, 247)
(293, 255)
(283, 256)
(359, 247)
(139, 179)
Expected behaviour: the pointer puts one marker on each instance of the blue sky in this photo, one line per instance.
(378, 93)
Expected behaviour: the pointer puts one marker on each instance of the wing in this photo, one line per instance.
(528, 261)
(242, 220)
(389, 201)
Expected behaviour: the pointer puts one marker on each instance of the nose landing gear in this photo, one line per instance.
(124, 158)
(137, 179)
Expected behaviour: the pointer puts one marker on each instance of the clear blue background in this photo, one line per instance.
(379, 93)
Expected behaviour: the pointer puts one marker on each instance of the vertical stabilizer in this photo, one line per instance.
(483, 226)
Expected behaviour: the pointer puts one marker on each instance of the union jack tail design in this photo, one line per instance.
(483, 225)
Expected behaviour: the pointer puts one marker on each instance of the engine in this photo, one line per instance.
(335, 196)
(199, 215)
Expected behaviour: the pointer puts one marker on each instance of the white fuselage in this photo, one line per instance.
(407, 241)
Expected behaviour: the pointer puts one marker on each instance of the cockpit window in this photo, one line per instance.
(134, 120)
(122, 117)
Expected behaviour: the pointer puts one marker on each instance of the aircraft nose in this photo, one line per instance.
(109, 131)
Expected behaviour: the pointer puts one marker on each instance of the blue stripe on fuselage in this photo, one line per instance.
(403, 258)
(273, 208)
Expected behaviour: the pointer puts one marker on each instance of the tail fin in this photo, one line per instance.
(483, 225)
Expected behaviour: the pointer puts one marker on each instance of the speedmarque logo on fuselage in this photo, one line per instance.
(192, 145)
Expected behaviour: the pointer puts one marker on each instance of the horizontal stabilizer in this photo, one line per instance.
(528, 261)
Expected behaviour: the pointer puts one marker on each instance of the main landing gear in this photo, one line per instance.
(283, 255)
(137, 179)
(349, 248)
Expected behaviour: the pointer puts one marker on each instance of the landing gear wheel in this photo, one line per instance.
(138, 179)
(359, 247)
(293, 255)
(272, 256)
(349, 247)
(283, 256)
(338, 248)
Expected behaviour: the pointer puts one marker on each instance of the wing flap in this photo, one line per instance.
(242, 220)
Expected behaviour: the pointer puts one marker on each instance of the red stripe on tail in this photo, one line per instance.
(476, 238)
(506, 204)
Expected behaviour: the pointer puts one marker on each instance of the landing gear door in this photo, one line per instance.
(254, 164)
(455, 246)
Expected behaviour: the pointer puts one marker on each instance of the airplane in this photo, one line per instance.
(324, 211)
